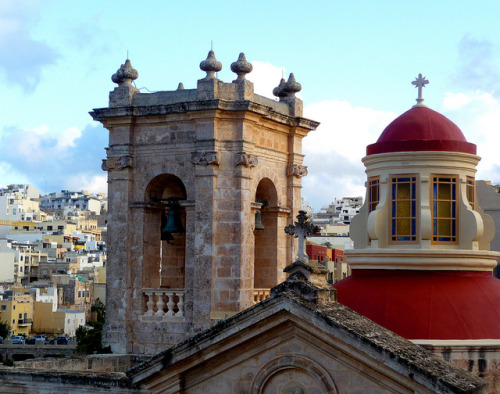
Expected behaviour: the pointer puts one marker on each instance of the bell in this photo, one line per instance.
(258, 220)
(173, 224)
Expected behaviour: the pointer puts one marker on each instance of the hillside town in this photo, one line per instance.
(52, 260)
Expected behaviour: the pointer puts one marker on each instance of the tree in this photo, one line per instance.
(328, 245)
(4, 329)
(88, 339)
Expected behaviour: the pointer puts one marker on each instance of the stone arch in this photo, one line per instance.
(266, 173)
(152, 173)
(266, 240)
(290, 374)
(163, 259)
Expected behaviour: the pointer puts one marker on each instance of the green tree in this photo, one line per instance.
(88, 339)
(4, 329)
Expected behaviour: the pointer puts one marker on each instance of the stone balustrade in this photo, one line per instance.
(260, 295)
(165, 303)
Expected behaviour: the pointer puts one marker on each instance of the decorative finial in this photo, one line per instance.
(420, 83)
(279, 91)
(211, 65)
(181, 86)
(125, 74)
(292, 86)
(241, 67)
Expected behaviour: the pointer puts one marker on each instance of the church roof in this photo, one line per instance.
(292, 301)
(435, 305)
(421, 129)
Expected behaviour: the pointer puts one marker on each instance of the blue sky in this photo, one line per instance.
(354, 59)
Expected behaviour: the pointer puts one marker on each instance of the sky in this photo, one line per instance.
(355, 60)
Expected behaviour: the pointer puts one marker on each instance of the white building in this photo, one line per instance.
(341, 211)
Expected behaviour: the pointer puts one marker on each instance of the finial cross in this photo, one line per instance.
(420, 83)
(301, 230)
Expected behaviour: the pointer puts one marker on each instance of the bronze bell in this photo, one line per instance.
(258, 220)
(173, 224)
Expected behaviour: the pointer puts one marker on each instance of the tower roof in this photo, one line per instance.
(421, 129)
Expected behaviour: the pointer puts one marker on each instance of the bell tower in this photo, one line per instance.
(188, 172)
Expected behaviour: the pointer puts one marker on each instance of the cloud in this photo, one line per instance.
(334, 151)
(478, 67)
(22, 58)
(478, 117)
(265, 77)
(54, 160)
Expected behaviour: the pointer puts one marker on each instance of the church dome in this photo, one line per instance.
(421, 129)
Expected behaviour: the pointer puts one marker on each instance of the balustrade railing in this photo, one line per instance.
(260, 295)
(165, 303)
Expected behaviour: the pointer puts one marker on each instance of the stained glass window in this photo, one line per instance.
(404, 209)
(444, 209)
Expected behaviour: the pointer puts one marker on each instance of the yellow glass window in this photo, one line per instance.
(444, 209)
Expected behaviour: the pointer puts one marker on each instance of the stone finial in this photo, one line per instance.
(279, 91)
(301, 229)
(241, 67)
(420, 83)
(210, 65)
(125, 74)
(180, 86)
(292, 86)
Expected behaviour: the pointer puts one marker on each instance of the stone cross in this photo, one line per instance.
(420, 83)
(301, 229)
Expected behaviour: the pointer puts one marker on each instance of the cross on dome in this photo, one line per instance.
(420, 83)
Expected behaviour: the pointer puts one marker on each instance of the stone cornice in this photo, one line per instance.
(101, 114)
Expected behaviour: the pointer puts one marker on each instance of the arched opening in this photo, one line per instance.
(164, 252)
(266, 239)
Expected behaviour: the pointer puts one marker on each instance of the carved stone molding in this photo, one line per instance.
(205, 158)
(296, 170)
(117, 163)
(245, 159)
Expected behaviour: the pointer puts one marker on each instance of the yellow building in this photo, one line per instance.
(17, 311)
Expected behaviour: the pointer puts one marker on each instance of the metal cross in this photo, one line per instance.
(301, 230)
(420, 83)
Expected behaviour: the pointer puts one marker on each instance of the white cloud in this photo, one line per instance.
(91, 183)
(479, 120)
(334, 151)
(265, 77)
(454, 102)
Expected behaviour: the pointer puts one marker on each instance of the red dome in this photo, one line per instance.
(421, 129)
(426, 304)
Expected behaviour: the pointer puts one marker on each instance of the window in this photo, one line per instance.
(373, 193)
(20, 316)
(4, 307)
(471, 192)
(404, 209)
(444, 209)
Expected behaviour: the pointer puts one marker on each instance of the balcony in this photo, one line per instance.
(260, 295)
(164, 305)
(24, 322)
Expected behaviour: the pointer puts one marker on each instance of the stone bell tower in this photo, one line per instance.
(211, 157)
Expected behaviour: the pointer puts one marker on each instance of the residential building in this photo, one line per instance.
(17, 310)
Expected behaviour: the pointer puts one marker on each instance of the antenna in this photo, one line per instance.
(211, 45)
(127, 53)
